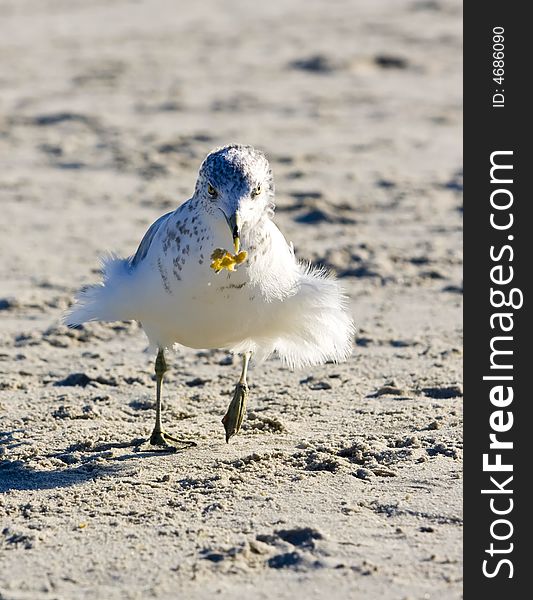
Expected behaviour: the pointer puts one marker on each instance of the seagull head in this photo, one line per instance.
(237, 180)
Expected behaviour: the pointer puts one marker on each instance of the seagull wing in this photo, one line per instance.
(144, 246)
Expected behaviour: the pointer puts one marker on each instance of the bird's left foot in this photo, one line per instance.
(164, 442)
(233, 418)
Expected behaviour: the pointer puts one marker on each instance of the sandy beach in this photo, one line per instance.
(346, 480)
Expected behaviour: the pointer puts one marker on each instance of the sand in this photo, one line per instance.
(345, 481)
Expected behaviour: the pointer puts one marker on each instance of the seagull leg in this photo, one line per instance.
(233, 418)
(159, 440)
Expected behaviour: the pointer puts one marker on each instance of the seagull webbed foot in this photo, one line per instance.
(161, 441)
(233, 418)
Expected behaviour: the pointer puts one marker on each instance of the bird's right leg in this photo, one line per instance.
(160, 440)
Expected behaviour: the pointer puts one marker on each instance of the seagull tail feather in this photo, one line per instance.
(313, 325)
(109, 300)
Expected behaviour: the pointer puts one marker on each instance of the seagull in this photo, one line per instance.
(258, 302)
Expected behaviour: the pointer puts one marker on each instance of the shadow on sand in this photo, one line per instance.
(18, 475)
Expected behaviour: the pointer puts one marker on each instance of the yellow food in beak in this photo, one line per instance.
(222, 259)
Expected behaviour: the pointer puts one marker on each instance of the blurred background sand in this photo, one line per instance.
(346, 479)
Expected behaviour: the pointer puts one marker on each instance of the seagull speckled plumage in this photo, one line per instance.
(270, 304)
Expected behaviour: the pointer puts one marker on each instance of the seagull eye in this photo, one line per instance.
(256, 191)
(211, 191)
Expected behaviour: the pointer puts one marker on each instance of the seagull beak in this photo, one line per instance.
(234, 225)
